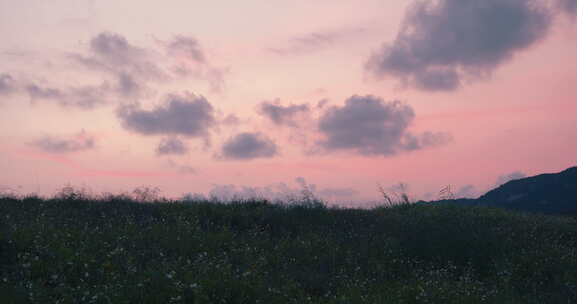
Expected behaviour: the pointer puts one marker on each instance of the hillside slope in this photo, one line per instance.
(554, 193)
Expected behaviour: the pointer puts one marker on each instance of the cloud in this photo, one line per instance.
(369, 126)
(298, 117)
(113, 52)
(80, 142)
(322, 103)
(191, 60)
(7, 84)
(186, 114)
(424, 140)
(186, 47)
(84, 97)
(131, 67)
(246, 146)
(171, 146)
(503, 179)
(37, 92)
(568, 6)
(128, 86)
(231, 120)
(282, 115)
(113, 48)
(182, 168)
(315, 41)
(445, 42)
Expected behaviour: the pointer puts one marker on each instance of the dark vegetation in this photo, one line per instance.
(552, 193)
(75, 249)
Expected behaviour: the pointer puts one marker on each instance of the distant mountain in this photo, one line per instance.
(554, 193)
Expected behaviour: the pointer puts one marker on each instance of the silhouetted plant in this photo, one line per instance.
(446, 193)
(146, 194)
(8, 192)
(70, 192)
(395, 197)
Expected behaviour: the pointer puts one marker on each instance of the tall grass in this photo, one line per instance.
(114, 249)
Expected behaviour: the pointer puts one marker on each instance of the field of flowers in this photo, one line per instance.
(115, 250)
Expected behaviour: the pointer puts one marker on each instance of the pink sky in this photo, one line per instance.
(191, 96)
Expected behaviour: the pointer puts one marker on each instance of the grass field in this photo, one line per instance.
(114, 250)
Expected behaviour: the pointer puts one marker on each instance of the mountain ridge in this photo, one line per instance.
(549, 193)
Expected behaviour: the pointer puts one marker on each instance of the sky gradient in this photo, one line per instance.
(265, 97)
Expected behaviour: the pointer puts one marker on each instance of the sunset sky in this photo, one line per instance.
(254, 96)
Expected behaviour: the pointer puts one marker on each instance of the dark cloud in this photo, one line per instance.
(129, 66)
(282, 115)
(187, 115)
(113, 52)
(442, 43)
(128, 86)
(114, 48)
(568, 6)
(503, 179)
(7, 84)
(171, 146)
(187, 47)
(246, 146)
(133, 69)
(84, 97)
(192, 61)
(37, 92)
(437, 80)
(370, 126)
(79, 142)
(424, 140)
(322, 103)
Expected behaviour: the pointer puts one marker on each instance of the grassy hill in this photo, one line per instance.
(75, 250)
(552, 193)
